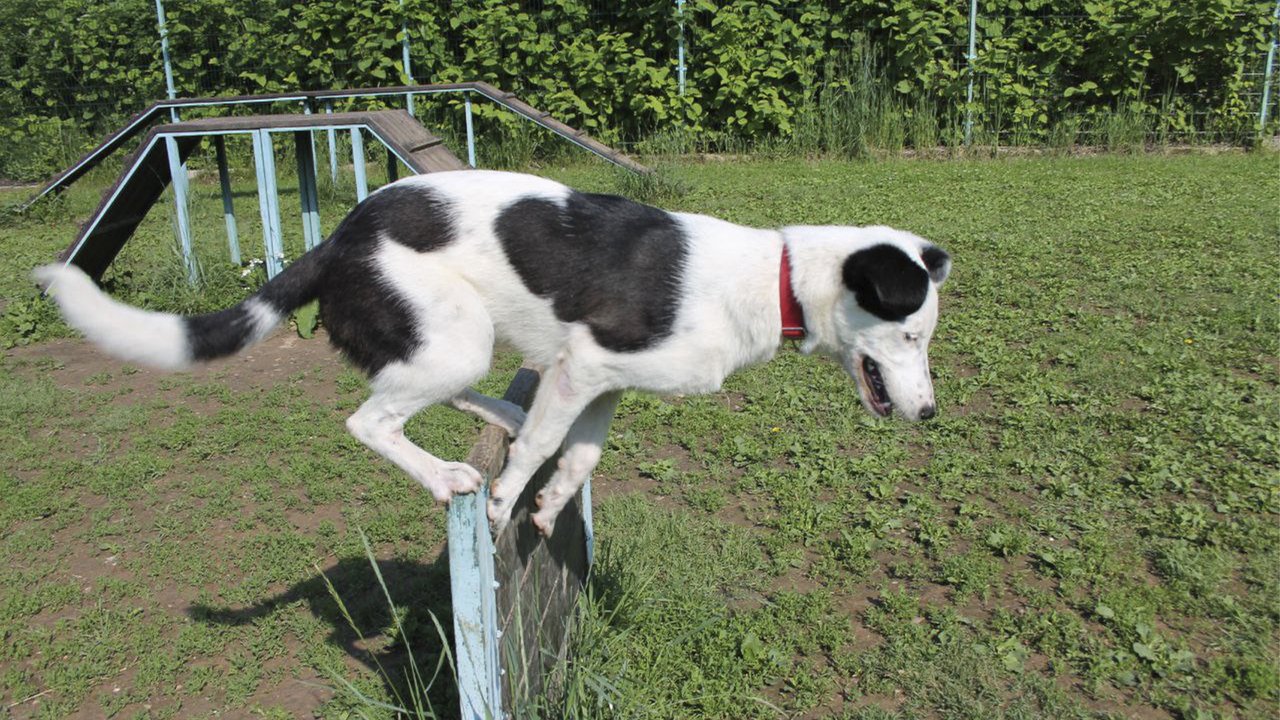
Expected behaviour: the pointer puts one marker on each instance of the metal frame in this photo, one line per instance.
(268, 192)
(328, 97)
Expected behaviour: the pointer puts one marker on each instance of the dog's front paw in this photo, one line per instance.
(499, 511)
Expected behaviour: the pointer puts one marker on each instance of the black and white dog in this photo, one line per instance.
(599, 292)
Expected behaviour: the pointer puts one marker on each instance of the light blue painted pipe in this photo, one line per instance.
(973, 56)
(268, 201)
(404, 47)
(475, 611)
(307, 194)
(228, 206)
(357, 159)
(471, 135)
(333, 145)
(177, 174)
(1271, 62)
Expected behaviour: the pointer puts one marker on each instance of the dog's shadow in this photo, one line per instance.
(362, 624)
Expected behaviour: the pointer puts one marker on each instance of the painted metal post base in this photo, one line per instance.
(513, 598)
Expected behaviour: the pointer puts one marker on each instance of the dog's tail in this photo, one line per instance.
(173, 342)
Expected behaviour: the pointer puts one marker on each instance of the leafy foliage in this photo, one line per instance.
(757, 68)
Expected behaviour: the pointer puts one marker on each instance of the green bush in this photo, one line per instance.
(759, 70)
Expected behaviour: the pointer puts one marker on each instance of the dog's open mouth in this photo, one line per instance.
(876, 394)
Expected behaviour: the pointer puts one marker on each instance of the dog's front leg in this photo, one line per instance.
(563, 394)
(582, 448)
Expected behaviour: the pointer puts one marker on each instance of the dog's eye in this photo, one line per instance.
(911, 337)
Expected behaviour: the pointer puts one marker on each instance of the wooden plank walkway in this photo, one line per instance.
(142, 120)
(147, 174)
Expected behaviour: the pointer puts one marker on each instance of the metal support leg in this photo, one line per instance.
(475, 612)
(357, 159)
(228, 207)
(393, 167)
(588, 528)
(333, 146)
(1266, 83)
(471, 135)
(307, 193)
(268, 201)
(178, 181)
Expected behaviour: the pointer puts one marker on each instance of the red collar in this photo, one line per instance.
(792, 313)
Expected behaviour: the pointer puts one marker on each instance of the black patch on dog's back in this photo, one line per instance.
(606, 261)
(366, 318)
(886, 281)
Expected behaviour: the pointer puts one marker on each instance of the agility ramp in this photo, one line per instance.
(514, 597)
(160, 157)
(313, 101)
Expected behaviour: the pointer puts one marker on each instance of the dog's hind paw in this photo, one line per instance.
(510, 417)
(461, 478)
(451, 478)
(545, 522)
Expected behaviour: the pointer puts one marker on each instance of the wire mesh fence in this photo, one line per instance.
(1040, 72)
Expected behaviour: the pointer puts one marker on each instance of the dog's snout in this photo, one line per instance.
(928, 411)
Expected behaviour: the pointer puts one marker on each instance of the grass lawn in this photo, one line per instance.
(1089, 528)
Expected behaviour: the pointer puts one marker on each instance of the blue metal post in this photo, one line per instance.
(333, 145)
(680, 68)
(357, 159)
(307, 194)
(588, 526)
(973, 56)
(471, 135)
(404, 46)
(176, 169)
(164, 55)
(228, 206)
(268, 201)
(1271, 61)
(475, 607)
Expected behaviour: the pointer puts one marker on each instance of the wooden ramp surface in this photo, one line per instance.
(146, 173)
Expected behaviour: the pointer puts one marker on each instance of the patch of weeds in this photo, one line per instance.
(970, 574)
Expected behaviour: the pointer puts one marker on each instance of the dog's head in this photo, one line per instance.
(883, 308)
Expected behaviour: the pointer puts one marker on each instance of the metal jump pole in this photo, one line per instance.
(973, 55)
(1271, 63)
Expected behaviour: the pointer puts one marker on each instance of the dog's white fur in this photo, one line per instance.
(469, 297)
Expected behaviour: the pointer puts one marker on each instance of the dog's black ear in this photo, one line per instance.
(886, 282)
(938, 262)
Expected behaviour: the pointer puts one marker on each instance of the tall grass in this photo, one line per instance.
(416, 702)
(856, 113)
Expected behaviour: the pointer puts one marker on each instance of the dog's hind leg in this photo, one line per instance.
(582, 448)
(505, 415)
(454, 350)
(398, 394)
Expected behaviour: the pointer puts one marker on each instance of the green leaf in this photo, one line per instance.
(307, 318)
